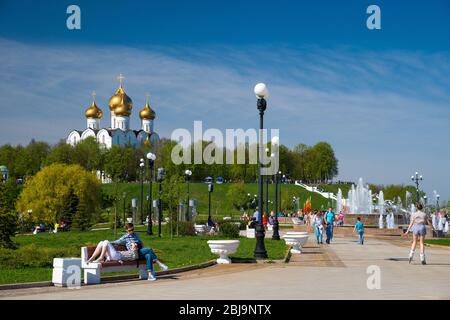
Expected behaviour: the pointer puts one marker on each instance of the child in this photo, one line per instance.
(359, 227)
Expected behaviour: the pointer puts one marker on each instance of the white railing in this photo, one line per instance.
(327, 195)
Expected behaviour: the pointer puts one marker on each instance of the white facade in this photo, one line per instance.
(119, 131)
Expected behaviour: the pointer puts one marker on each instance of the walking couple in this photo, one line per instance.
(323, 220)
(105, 251)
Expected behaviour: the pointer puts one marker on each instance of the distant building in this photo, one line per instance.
(119, 131)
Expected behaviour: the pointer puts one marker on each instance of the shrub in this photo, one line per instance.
(229, 230)
(185, 228)
(34, 256)
(242, 225)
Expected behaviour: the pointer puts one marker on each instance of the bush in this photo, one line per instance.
(242, 225)
(185, 228)
(34, 256)
(229, 230)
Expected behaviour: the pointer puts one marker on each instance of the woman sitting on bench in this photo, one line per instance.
(106, 249)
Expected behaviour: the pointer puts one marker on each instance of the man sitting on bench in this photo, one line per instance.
(146, 253)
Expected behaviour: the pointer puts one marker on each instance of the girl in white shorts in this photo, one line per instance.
(418, 227)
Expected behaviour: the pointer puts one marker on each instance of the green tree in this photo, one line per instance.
(45, 195)
(238, 196)
(61, 153)
(8, 220)
(121, 163)
(82, 219)
(88, 154)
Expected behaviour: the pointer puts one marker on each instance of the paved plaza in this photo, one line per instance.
(338, 271)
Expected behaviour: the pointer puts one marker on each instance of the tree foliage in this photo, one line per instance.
(8, 219)
(45, 196)
(238, 196)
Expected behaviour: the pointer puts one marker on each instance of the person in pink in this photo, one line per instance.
(340, 222)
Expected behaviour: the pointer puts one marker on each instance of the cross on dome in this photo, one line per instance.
(120, 77)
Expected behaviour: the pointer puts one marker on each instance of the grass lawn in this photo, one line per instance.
(32, 261)
(441, 242)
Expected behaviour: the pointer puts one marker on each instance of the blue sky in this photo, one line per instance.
(381, 97)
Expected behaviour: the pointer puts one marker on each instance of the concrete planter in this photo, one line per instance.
(223, 248)
(296, 241)
(297, 233)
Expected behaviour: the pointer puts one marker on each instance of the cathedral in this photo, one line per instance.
(119, 131)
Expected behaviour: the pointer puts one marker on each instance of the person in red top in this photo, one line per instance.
(265, 220)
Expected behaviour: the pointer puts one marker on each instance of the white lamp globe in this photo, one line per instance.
(151, 156)
(188, 172)
(141, 164)
(261, 91)
(275, 141)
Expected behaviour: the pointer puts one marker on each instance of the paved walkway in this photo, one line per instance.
(338, 271)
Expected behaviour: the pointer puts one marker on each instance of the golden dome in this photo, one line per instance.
(147, 142)
(123, 108)
(147, 113)
(120, 98)
(93, 111)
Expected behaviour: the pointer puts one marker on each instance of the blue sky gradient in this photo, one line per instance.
(380, 97)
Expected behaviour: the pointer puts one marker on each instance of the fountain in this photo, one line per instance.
(339, 203)
(360, 199)
(381, 210)
(380, 222)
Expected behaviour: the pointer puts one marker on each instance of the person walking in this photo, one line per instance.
(318, 227)
(359, 228)
(329, 221)
(417, 226)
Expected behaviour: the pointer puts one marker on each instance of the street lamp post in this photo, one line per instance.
(261, 93)
(210, 190)
(276, 225)
(141, 210)
(416, 178)
(151, 161)
(159, 178)
(267, 189)
(437, 203)
(188, 174)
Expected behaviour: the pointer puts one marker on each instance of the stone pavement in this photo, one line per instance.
(337, 271)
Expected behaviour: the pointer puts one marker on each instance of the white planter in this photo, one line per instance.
(223, 248)
(298, 233)
(296, 241)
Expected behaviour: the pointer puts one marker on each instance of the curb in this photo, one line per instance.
(288, 255)
(42, 284)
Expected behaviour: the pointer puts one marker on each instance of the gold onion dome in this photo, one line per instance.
(147, 142)
(93, 111)
(123, 109)
(120, 99)
(147, 113)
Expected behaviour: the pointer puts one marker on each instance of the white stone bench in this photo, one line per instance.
(251, 232)
(200, 228)
(92, 271)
